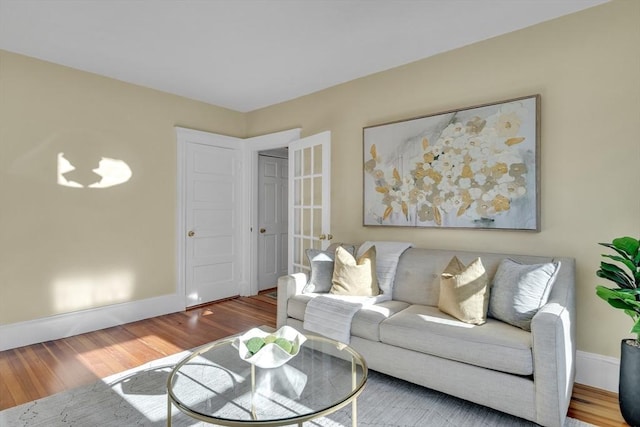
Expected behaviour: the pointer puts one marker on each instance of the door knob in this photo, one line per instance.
(263, 230)
(329, 236)
(191, 233)
(322, 237)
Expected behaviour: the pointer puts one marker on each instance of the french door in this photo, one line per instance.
(309, 198)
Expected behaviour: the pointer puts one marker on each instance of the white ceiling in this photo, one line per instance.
(248, 54)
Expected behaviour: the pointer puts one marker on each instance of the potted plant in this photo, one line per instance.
(626, 296)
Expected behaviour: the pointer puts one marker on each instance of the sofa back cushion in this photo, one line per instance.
(417, 278)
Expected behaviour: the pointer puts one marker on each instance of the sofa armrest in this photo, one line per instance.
(288, 286)
(554, 349)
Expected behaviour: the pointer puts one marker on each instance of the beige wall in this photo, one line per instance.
(586, 67)
(63, 249)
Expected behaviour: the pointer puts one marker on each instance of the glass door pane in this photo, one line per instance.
(309, 198)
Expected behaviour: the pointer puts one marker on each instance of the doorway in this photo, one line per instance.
(273, 213)
(307, 214)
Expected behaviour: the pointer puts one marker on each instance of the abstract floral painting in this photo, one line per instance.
(471, 168)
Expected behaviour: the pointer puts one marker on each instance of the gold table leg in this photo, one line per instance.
(253, 391)
(354, 404)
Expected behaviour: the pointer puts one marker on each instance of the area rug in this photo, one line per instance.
(138, 398)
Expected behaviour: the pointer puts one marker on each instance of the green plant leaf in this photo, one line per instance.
(614, 269)
(616, 275)
(636, 329)
(627, 296)
(626, 261)
(620, 304)
(627, 244)
(604, 292)
(620, 299)
(634, 314)
(619, 251)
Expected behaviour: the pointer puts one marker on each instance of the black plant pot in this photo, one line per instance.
(629, 391)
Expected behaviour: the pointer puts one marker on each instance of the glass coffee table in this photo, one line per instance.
(213, 384)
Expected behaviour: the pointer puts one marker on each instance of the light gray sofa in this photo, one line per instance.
(526, 374)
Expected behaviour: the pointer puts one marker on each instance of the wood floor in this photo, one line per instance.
(39, 370)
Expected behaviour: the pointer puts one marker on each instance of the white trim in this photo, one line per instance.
(326, 189)
(68, 324)
(180, 213)
(598, 371)
(207, 138)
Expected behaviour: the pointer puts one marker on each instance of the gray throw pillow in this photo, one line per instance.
(322, 263)
(519, 290)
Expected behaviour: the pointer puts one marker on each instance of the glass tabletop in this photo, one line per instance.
(214, 384)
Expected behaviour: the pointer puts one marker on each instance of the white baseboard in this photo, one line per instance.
(68, 324)
(598, 371)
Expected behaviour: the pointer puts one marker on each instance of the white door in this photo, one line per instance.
(309, 198)
(272, 220)
(212, 246)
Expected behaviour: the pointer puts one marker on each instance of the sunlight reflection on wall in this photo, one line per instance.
(88, 290)
(109, 173)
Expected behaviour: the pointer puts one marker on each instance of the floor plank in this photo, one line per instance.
(39, 370)
(595, 406)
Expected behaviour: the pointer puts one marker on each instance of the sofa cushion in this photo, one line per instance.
(464, 291)
(355, 277)
(418, 276)
(494, 345)
(366, 322)
(519, 290)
